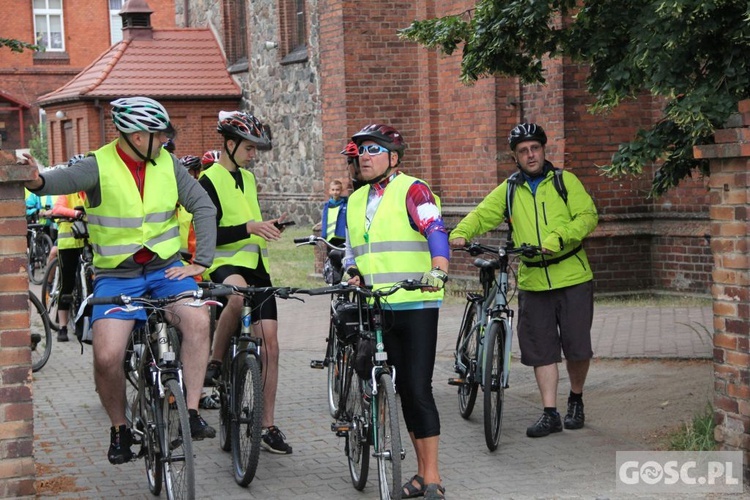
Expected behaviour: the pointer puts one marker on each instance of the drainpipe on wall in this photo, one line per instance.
(186, 13)
(101, 122)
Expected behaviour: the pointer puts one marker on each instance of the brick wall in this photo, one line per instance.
(729, 194)
(16, 407)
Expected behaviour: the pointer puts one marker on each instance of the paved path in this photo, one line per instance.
(72, 431)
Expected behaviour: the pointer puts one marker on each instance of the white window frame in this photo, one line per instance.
(115, 23)
(47, 13)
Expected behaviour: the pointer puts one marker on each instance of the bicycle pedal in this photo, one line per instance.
(341, 428)
(456, 381)
(316, 364)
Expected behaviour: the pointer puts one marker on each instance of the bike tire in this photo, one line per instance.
(357, 447)
(39, 329)
(246, 420)
(467, 349)
(388, 439)
(38, 254)
(494, 392)
(151, 418)
(178, 461)
(333, 358)
(225, 403)
(51, 292)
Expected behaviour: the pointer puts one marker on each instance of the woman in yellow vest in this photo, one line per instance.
(242, 257)
(395, 231)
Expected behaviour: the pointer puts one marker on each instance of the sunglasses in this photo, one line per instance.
(372, 149)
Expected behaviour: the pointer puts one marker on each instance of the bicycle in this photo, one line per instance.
(240, 387)
(368, 414)
(84, 281)
(39, 247)
(41, 334)
(483, 346)
(156, 409)
(341, 309)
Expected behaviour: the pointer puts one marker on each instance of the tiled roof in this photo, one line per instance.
(176, 63)
(14, 100)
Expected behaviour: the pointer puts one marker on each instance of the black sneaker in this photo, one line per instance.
(546, 425)
(574, 418)
(273, 441)
(62, 335)
(213, 373)
(199, 428)
(120, 440)
(209, 402)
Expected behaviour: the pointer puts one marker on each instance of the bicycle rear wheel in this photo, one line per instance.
(41, 334)
(466, 360)
(387, 439)
(335, 374)
(51, 292)
(38, 254)
(357, 446)
(494, 392)
(177, 448)
(246, 416)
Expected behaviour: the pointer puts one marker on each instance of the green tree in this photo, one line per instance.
(38, 144)
(692, 54)
(17, 45)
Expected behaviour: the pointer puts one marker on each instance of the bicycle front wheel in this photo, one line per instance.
(387, 439)
(335, 374)
(51, 292)
(40, 249)
(494, 392)
(225, 403)
(466, 360)
(177, 458)
(357, 446)
(151, 420)
(246, 419)
(41, 334)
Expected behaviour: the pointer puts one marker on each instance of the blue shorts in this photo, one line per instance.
(154, 284)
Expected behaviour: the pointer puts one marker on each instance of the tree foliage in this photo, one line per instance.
(17, 45)
(692, 54)
(38, 144)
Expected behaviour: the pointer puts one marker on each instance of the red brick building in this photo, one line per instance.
(73, 32)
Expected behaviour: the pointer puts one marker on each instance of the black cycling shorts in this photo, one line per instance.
(553, 321)
(263, 304)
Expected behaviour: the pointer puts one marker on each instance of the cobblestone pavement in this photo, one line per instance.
(72, 430)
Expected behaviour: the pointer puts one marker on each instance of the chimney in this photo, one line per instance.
(136, 20)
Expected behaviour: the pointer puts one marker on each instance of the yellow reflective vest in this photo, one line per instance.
(237, 207)
(390, 250)
(65, 239)
(124, 222)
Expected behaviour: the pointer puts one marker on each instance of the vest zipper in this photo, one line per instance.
(539, 237)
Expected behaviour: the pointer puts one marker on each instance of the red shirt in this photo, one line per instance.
(138, 171)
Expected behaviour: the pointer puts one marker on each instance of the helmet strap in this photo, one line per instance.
(233, 151)
(147, 156)
(387, 171)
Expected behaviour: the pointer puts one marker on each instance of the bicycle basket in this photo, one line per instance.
(80, 230)
(346, 322)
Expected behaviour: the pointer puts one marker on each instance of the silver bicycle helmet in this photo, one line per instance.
(140, 114)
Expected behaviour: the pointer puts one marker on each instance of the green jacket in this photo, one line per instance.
(544, 220)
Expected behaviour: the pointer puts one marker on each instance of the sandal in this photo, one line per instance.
(434, 491)
(411, 491)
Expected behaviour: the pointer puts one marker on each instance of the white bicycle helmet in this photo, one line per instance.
(140, 114)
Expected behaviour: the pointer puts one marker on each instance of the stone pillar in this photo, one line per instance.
(16, 406)
(728, 184)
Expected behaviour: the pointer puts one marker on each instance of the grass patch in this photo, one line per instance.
(293, 265)
(653, 300)
(697, 435)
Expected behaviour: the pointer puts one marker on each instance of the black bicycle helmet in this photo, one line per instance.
(75, 159)
(191, 162)
(240, 125)
(526, 132)
(385, 135)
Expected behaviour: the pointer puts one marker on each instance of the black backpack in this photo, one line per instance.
(516, 179)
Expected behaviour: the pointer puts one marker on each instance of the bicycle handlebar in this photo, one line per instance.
(363, 290)
(476, 249)
(122, 300)
(312, 239)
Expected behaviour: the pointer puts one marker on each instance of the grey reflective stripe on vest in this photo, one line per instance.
(160, 216)
(393, 277)
(110, 251)
(117, 222)
(250, 248)
(66, 234)
(392, 246)
(173, 232)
